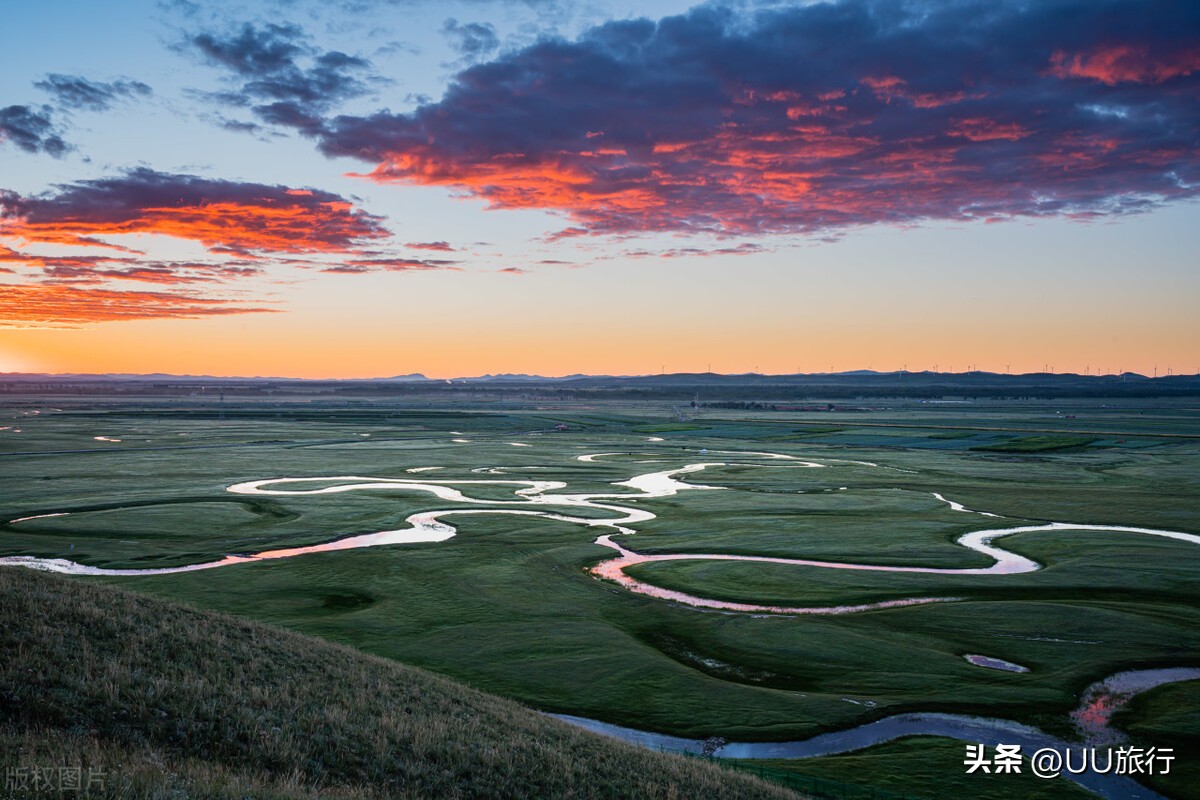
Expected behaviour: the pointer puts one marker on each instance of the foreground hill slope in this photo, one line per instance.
(170, 702)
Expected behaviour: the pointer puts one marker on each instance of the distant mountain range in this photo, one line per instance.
(746, 389)
(580, 378)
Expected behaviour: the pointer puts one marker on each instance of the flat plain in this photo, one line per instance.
(509, 604)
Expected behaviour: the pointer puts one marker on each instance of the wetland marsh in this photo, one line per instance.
(715, 579)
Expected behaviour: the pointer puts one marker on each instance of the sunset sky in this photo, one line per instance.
(356, 188)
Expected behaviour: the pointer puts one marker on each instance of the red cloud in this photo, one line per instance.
(1126, 64)
(890, 86)
(56, 305)
(982, 129)
(248, 226)
(221, 215)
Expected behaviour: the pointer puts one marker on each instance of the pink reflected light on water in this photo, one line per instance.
(428, 527)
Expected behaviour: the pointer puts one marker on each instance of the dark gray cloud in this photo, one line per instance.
(239, 126)
(254, 52)
(362, 266)
(31, 129)
(473, 41)
(280, 76)
(78, 93)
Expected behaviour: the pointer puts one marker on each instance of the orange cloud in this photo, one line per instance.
(222, 215)
(891, 86)
(247, 226)
(42, 305)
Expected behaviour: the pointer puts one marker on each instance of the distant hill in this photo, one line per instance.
(170, 702)
(677, 387)
(410, 377)
(520, 377)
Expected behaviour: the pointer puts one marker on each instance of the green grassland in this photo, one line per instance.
(668, 427)
(1038, 444)
(1169, 717)
(508, 605)
(155, 700)
(1083, 566)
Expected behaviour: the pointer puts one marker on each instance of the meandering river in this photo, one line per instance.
(975, 730)
(430, 526)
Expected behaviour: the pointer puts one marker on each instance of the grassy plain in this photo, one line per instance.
(1037, 444)
(509, 607)
(1169, 717)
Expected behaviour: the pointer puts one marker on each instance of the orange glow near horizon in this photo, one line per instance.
(273, 347)
(992, 297)
(1000, 297)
